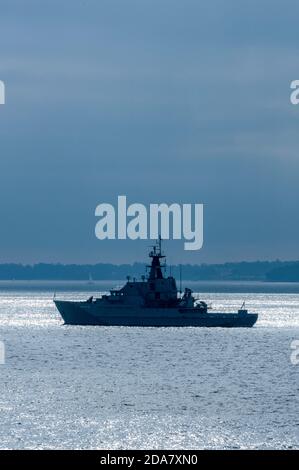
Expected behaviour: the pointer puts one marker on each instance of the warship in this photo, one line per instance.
(153, 301)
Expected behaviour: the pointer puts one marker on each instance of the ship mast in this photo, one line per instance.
(156, 267)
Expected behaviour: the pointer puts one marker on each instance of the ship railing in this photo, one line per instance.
(117, 287)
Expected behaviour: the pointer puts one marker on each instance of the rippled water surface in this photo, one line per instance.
(117, 387)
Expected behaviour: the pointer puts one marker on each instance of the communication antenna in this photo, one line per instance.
(180, 278)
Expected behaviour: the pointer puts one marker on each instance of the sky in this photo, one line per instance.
(161, 101)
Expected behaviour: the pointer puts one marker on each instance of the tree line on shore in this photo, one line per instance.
(279, 271)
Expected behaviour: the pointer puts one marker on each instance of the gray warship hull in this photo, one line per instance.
(153, 301)
(89, 313)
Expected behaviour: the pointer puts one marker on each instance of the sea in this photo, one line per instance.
(94, 387)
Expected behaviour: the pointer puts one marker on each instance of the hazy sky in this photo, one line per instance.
(161, 100)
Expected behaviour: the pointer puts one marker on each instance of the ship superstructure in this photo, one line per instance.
(152, 301)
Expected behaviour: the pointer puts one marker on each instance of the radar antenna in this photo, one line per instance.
(156, 255)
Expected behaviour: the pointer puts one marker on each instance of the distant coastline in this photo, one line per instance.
(270, 271)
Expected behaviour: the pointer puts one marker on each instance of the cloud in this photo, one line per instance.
(180, 101)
